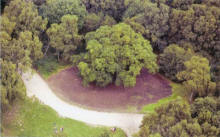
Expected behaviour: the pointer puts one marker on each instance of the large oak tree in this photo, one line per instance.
(116, 55)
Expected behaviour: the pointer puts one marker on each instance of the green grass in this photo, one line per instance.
(177, 90)
(34, 119)
(49, 65)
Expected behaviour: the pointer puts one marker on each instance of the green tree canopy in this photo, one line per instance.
(116, 54)
(26, 17)
(20, 28)
(151, 21)
(113, 8)
(94, 21)
(177, 119)
(199, 25)
(196, 76)
(54, 10)
(172, 60)
(64, 36)
(12, 86)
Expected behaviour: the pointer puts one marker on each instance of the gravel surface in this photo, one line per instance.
(37, 87)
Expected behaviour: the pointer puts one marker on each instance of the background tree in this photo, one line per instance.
(64, 36)
(172, 60)
(198, 25)
(54, 10)
(152, 23)
(94, 21)
(113, 8)
(116, 54)
(12, 86)
(197, 77)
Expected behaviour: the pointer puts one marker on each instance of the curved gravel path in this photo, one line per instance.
(36, 86)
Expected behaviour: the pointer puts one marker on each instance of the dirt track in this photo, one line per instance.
(36, 86)
(149, 88)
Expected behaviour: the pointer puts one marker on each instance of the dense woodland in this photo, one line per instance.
(110, 41)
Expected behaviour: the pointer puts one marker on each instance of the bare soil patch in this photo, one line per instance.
(149, 88)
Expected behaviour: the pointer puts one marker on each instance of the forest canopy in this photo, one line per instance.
(111, 41)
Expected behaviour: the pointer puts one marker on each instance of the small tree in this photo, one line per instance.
(197, 77)
(64, 37)
(12, 86)
(172, 60)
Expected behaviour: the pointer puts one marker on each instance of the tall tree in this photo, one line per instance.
(64, 36)
(26, 17)
(19, 33)
(12, 87)
(197, 79)
(116, 54)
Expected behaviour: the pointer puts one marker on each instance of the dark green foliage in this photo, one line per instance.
(152, 23)
(116, 54)
(94, 21)
(176, 118)
(54, 10)
(199, 25)
(12, 86)
(172, 60)
(113, 8)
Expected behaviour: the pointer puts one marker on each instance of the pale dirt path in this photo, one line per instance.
(37, 87)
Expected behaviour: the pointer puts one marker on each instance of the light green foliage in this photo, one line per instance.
(35, 119)
(207, 111)
(64, 36)
(12, 86)
(116, 54)
(21, 51)
(151, 21)
(54, 10)
(113, 8)
(25, 15)
(199, 25)
(172, 60)
(197, 77)
(20, 28)
(176, 118)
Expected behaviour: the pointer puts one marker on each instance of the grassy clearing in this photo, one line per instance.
(33, 119)
(49, 65)
(177, 90)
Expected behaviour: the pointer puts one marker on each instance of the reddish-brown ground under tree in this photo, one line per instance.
(149, 88)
